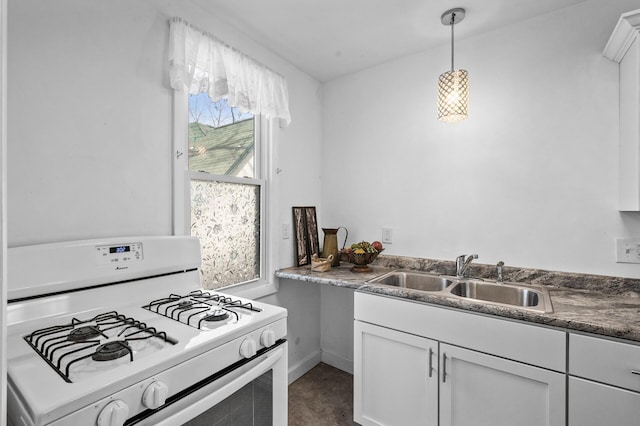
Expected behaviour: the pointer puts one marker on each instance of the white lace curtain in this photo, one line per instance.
(200, 63)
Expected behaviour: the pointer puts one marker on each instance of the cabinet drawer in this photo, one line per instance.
(605, 361)
(595, 404)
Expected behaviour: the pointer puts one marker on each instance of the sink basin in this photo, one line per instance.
(534, 298)
(513, 295)
(414, 280)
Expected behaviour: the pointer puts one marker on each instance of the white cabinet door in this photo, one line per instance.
(483, 390)
(395, 377)
(595, 404)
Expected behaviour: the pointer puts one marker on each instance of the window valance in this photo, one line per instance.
(198, 63)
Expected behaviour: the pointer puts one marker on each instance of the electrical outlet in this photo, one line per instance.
(628, 250)
(387, 235)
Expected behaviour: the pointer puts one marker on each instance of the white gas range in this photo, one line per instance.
(118, 332)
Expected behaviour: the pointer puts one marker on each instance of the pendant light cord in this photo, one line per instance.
(453, 18)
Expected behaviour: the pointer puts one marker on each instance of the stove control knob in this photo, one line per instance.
(155, 395)
(248, 348)
(267, 338)
(114, 413)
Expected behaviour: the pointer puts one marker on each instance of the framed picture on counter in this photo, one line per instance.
(305, 228)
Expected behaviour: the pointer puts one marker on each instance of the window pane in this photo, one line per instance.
(226, 219)
(221, 138)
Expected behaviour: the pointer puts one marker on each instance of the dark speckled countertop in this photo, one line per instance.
(608, 306)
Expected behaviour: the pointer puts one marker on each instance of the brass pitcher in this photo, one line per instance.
(330, 245)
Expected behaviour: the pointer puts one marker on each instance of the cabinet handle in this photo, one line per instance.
(635, 372)
(430, 362)
(444, 367)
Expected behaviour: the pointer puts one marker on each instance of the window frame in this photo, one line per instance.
(181, 191)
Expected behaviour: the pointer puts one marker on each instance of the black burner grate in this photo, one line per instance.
(64, 346)
(199, 307)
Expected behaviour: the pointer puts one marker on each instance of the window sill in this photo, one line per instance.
(254, 290)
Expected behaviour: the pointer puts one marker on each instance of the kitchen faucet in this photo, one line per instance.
(462, 262)
(499, 266)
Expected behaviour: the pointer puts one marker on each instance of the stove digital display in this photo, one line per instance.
(119, 249)
(118, 253)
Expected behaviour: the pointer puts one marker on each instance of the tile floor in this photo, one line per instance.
(322, 397)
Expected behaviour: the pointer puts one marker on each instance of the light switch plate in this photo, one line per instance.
(628, 250)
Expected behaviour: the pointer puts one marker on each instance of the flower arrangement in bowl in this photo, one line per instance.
(362, 254)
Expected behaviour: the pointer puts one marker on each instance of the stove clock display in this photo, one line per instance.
(119, 249)
(117, 254)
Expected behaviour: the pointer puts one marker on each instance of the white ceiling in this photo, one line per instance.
(330, 38)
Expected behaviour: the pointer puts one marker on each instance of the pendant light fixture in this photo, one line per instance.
(453, 86)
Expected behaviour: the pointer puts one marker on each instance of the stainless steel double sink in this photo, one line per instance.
(529, 297)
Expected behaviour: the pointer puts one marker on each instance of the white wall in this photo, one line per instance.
(530, 178)
(336, 327)
(90, 124)
(3, 216)
(90, 113)
(302, 301)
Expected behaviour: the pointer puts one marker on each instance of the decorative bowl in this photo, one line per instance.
(321, 264)
(361, 260)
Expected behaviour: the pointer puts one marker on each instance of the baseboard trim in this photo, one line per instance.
(337, 361)
(296, 371)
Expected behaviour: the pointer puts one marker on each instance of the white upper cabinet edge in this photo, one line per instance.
(623, 35)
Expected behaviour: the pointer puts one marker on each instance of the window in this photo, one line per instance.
(225, 191)
(199, 62)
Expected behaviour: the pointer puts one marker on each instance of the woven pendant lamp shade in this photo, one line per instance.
(453, 86)
(453, 96)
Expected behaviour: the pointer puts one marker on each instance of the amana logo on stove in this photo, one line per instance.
(118, 268)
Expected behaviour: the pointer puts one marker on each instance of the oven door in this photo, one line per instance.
(252, 394)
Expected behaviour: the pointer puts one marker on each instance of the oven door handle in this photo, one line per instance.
(219, 395)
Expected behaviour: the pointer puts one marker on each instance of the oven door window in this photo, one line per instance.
(250, 405)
